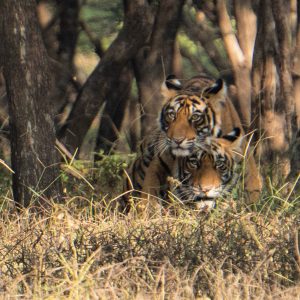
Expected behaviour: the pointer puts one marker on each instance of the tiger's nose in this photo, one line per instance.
(205, 191)
(178, 141)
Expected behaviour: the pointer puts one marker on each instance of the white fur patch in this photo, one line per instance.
(213, 193)
(180, 152)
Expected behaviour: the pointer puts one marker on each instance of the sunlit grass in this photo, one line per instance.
(86, 248)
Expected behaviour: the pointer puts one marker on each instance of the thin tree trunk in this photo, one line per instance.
(133, 35)
(60, 33)
(295, 146)
(116, 103)
(242, 73)
(155, 61)
(296, 69)
(264, 75)
(69, 29)
(113, 114)
(28, 81)
(283, 31)
(67, 41)
(246, 28)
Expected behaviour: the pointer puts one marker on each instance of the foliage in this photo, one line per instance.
(95, 180)
(104, 19)
(85, 248)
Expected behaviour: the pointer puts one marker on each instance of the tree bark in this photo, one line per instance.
(28, 81)
(113, 113)
(296, 69)
(60, 33)
(69, 29)
(242, 73)
(264, 68)
(67, 36)
(246, 28)
(154, 62)
(264, 86)
(283, 31)
(295, 146)
(136, 29)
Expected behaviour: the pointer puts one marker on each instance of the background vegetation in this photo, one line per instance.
(95, 73)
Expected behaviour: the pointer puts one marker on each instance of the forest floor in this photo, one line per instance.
(87, 249)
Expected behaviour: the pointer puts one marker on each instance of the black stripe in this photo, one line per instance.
(158, 175)
(213, 117)
(180, 106)
(147, 161)
(141, 173)
(208, 118)
(179, 99)
(195, 101)
(166, 167)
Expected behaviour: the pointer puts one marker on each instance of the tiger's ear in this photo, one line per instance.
(170, 87)
(216, 93)
(233, 135)
(236, 143)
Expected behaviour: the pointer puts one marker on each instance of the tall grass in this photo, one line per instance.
(87, 249)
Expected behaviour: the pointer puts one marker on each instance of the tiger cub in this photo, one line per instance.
(210, 172)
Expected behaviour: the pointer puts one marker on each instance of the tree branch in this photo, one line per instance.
(135, 32)
(231, 44)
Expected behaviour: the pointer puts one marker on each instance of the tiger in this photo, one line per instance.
(210, 172)
(192, 110)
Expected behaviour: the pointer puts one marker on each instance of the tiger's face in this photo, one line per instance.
(190, 114)
(211, 171)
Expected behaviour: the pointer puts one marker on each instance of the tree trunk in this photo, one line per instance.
(133, 35)
(28, 81)
(283, 31)
(246, 28)
(242, 72)
(60, 33)
(154, 62)
(264, 75)
(69, 29)
(113, 114)
(295, 147)
(296, 69)
(67, 40)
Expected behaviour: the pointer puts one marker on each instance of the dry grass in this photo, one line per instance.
(85, 250)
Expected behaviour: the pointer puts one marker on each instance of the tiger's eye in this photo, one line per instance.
(193, 162)
(196, 117)
(171, 114)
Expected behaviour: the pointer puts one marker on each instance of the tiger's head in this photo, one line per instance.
(211, 171)
(191, 111)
